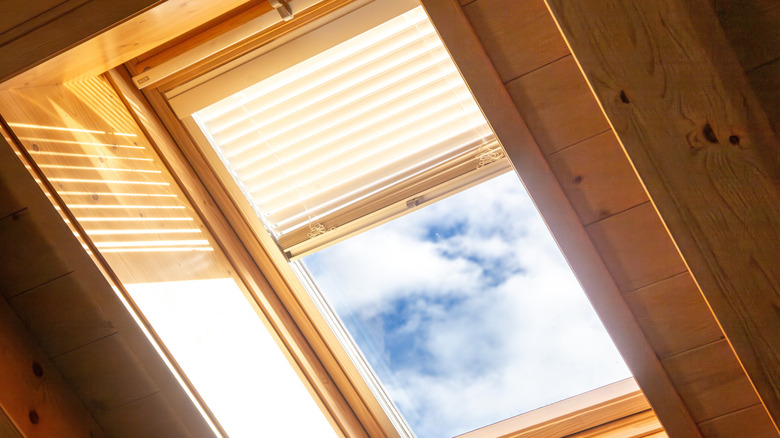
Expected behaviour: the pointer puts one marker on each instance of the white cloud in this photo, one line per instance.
(473, 312)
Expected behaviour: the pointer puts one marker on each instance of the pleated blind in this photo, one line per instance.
(373, 123)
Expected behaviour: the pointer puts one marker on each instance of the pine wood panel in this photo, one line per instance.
(34, 396)
(519, 36)
(557, 105)
(28, 259)
(703, 148)
(61, 316)
(7, 428)
(710, 381)
(674, 315)
(753, 28)
(597, 178)
(106, 374)
(749, 422)
(16, 12)
(158, 420)
(636, 247)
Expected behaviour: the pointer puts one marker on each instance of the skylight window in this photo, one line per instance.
(465, 309)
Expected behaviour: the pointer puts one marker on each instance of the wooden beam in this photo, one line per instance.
(81, 38)
(528, 160)
(677, 98)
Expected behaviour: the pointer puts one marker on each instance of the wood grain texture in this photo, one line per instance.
(159, 420)
(529, 162)
(636, 247)
(57, 410)
(674, 315)
(557, 105)
(711, 381)
(749, 422)
(681, 106)
(62, 315)
(15, 13)
(597, 178)
(519, 35)
(753, 29)
(97, 36)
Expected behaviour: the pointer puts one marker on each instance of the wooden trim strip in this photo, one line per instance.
(530, 164)
(702, 145)
(323, 367)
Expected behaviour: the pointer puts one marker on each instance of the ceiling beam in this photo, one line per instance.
(677, 98)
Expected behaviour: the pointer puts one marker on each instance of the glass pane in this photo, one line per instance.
(467, 311)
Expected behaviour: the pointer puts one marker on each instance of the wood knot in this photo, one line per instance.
(577, 179)
(623, 97)
(709, 134)
(734, 139)
(37, 369)
(33, 416)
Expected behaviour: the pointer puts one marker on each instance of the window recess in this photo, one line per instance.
(359, 133)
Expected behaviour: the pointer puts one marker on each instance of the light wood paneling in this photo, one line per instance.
(33, 394)
(106, 374)
(710, 381)
(597, 178)
(674, 315)
(636, 247)
(557, 105)
(519, 36)
(32, 261)
(61, 316)
(702, 145)
(158, 420)
(749, 422)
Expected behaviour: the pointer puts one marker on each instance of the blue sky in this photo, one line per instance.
(467, 311)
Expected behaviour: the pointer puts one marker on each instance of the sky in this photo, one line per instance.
(467, 311)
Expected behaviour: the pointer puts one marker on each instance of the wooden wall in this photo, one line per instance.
(564, 118)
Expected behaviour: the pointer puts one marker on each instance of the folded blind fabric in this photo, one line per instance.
(371, 122)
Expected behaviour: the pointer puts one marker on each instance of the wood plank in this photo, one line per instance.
(749, 422)
(106, 374)
(710, 381)
(158, 420)
(34, 396)
(7, 428)
(597, 178)
(42, 310)
(638, 425)
(519, 36)
(28, 259)
(681, 106)
(557, 105)
(98, 36)
(14, 13)
(765, 81)
(674, 315)
(530, 164)
(753, 29)
(636, 247)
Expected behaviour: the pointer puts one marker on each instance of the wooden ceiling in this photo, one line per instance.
(678, 99)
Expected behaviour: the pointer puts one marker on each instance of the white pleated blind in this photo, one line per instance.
(372, 122)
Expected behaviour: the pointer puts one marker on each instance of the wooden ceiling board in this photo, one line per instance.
(557, 105)
(765, 80)
(749, 422)
(597, 178)
(636, 247)
(155, 415)
(674, 315)
(711, 381)
(753, 29)
(519, 36)
(59, 325)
